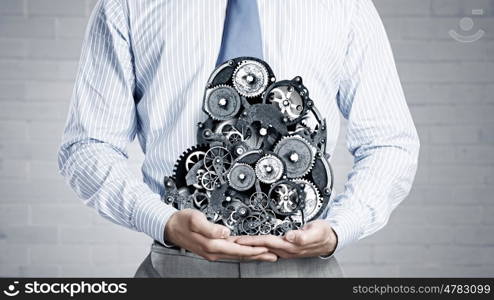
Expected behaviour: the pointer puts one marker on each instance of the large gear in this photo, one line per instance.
(250, 78)
(313, 200)
(269, 169)
(297, 154)
(241, 177)
(222, 102)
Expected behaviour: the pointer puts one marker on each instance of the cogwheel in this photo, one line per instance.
(297, 154)
(269, 169)
(288, 100)
(222, 102)
(184, 163)
(241, 177)
(313, 200)
(250, 78)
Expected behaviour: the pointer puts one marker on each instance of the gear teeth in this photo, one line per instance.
(206, 106)
(312, 148)
(264, 72)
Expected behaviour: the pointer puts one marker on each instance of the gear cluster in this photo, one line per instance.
(260, 166)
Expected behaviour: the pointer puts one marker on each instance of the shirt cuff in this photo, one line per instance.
(347, 226)
(151, 216)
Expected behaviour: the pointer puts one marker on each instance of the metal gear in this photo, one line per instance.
(209, 180)
(185, 163)
(297, 154)
(313, 201)
(219, 160)
(241, 177)
(269, 169)
(258, 201)
(288, 100)
(222, 102)
(286, 197)
(251, 225)
(250, 78)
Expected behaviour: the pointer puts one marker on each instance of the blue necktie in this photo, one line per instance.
(242, 32)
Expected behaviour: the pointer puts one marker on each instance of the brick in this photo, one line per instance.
(56, 7)
(29, 271)
(438, 215)
(61, 214)
(89, 270)
(108, 235)
(13, 254)
(11, 91)
(454, 135)
(447, 7)
(399, 254)
(370, 270)
(33, 111)
(30, 150)
(13, 48)
(13, 169)
(48, 91)
(478, 235)
(13, 130)
(21, 27)
(29, 234)
(66, 49)
(37, 70)
(70, 27)
(11, 7)
(403, 7)
(60, 254)
(14, 214)
(442, 72)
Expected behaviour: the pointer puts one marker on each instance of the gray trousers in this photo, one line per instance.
(166, 262)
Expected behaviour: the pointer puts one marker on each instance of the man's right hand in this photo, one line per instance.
(191, 230)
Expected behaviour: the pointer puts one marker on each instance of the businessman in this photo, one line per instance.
(142, 73)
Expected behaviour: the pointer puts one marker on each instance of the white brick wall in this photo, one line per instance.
(445, 227)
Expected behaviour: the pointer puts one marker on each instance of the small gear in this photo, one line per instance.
(258, 201)
(269, 169)
(219, 160)
(313, 201)
(250, 78)
(222, 102)
(288, 100)
(209, 180)
(241, 177)
(193, 158)
(251, 225)
(286, 197)
(297, 154)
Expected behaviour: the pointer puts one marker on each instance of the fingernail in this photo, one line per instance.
(225, 233)
(290, 236)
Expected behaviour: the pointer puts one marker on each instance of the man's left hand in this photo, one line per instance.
(316, 238)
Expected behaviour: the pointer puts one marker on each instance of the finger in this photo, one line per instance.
(224, 247)
(311, 234)
(200, 224)
(269, 257)
(269, 241)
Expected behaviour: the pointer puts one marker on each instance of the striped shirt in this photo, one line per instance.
(143, 68)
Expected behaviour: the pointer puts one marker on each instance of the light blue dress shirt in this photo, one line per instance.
(142, 73)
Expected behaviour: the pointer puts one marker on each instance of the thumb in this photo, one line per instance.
(200, 224)
(307, 235)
